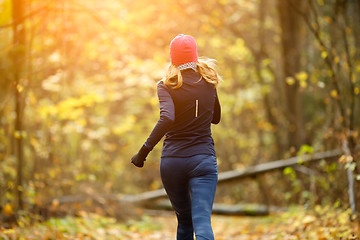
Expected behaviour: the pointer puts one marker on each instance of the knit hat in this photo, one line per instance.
(183, 49)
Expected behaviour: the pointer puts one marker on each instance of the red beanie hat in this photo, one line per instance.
(183, 49)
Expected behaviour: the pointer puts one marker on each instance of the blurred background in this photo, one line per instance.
(78, 95)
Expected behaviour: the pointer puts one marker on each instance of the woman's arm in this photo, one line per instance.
(167, 118)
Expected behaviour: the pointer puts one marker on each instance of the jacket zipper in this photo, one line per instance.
(196, 107)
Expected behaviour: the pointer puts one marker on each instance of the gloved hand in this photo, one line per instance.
(139, 158)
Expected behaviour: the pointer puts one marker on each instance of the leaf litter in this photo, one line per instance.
(321, 223)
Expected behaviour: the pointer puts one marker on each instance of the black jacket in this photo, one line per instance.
(186, 115)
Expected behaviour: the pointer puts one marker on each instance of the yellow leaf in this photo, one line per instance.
(9, 231)
(290, 80)
(303, 84)
(356, 91)
(20, 134)
(8, 210)
(324, 54)
(154, 185)
(334, 93)
(17, 134)
(308, 219)
(301, 76)
(20, 88)
(52, 173)
(328, 19)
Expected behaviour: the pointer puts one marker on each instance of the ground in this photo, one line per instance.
(319, 224)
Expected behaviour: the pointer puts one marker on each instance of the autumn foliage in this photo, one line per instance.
(78, 99)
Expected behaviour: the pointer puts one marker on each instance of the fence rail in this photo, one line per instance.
(252, 171)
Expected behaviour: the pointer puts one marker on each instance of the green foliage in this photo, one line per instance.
(305, 149)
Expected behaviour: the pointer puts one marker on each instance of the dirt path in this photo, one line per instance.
(282, 226)
(225, 228)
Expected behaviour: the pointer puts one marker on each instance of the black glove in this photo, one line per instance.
(139, 158)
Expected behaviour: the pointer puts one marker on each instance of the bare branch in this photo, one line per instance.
(350, 72)
(329, 59)
(350, 175)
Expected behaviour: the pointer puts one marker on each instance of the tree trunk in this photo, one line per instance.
(290, 42)
(355, 12)
(18, 61)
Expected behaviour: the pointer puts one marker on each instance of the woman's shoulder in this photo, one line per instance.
(162, 84)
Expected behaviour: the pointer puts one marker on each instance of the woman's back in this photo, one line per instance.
(194, 102)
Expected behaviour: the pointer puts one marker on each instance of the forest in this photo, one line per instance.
(78, 99)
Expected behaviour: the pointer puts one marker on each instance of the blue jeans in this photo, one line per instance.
(190, 184)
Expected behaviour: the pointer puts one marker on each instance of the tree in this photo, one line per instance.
(19, 42)
(290, 42)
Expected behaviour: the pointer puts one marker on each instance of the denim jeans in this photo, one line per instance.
(190, 184)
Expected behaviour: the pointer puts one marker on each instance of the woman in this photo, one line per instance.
(188, 105)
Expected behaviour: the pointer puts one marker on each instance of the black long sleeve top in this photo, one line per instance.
(186, 115)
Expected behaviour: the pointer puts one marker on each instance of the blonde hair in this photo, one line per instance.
(205, 66)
